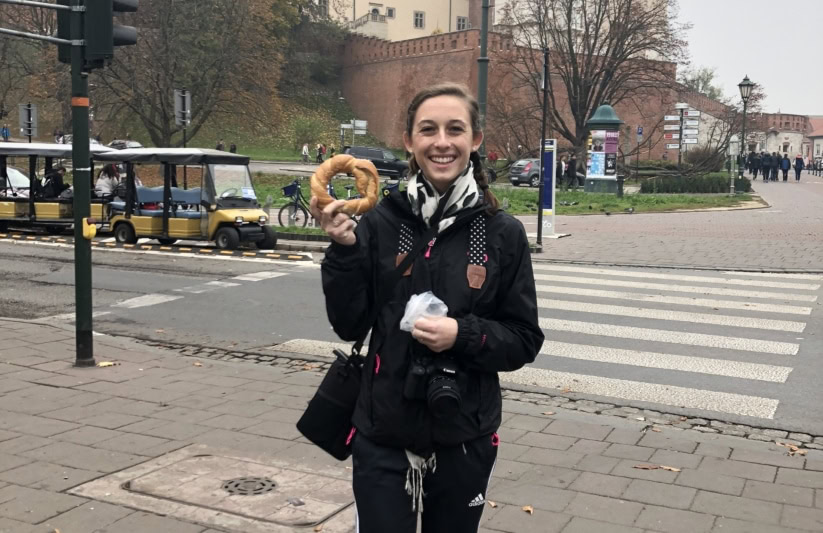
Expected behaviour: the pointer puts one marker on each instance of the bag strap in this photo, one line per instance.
(418, 246)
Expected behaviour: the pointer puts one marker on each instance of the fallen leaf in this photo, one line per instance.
(793, 449)
(318, 527)
(198, 363)
(566, 390)
(297, 502)
(656, 429)
(646, 467)
(491, 504)
(104, 364)
(529, 509)
(548, 413)
(683, 418)
(670, 468)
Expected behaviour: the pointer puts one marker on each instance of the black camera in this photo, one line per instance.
(434, 380)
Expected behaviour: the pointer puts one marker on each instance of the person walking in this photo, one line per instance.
(305, 153)
(233, 148)
(318, 154)
(756, 162)
(766, 166)
(775, 165)
(799, 165)
(220, 145)
(750, 162)
(411, 455)
(5, 133)
(785, 166)
(571, 172)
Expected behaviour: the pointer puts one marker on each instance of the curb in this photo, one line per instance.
(196, 250)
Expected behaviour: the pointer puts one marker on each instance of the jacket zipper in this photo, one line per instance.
(429, 250)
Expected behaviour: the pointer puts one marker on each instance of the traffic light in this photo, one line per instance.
(102, 34)
(64, 32)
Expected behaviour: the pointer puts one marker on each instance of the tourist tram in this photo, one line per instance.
(222, 208)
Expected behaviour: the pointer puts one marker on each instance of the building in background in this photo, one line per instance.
(399, 20)
(783, 133)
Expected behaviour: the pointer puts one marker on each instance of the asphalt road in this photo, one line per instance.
(732, 346)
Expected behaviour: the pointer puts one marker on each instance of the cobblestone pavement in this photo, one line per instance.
(63, 429)
(786, 236)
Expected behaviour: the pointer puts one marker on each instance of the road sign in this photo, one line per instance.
(689, 141)
(692, 113)
(28, 119)
(359, 132)
(681, 106)
(669, 127)
(346, 126)
(691, 122)
(182, 107)
(671, 136)
(671, 117)
(694, 131)
(361, 124)
(672, 146)
(640, 130)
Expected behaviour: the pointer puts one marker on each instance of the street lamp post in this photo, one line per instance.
(745, 87)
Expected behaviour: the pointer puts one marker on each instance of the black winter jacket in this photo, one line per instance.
(497, 324)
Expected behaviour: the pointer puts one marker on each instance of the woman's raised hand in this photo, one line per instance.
(339, 226)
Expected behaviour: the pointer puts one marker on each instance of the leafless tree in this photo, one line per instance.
(601, 51)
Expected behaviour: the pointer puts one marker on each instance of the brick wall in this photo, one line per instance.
(381, 77)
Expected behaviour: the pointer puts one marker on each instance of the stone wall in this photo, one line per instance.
(381, 77)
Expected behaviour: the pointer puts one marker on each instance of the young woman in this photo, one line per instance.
(416, 448)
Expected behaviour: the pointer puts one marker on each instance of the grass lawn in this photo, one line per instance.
(523, 200)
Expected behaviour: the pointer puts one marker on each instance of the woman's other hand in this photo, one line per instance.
(437, 333)
(339, 226)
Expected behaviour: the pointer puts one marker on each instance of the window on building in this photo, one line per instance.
(323, 7)
(462, 23)
(419, 19)
(390, 12)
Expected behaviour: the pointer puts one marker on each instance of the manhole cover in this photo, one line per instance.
(249, 486)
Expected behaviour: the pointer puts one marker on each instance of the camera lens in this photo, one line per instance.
(443, 397)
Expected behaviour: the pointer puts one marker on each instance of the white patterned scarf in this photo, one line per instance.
(461, 194)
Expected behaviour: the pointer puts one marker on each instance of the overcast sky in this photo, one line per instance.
(773, 43)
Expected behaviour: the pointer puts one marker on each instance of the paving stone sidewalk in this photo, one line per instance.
(62, 427)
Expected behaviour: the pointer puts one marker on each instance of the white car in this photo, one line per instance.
(17, 185)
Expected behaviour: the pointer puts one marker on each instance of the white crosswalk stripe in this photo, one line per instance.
(207, 287)
(720, 342)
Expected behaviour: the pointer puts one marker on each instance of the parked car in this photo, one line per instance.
(122, 145)
(386, 162)
(17, 184)
(68, 138)
(525, 171)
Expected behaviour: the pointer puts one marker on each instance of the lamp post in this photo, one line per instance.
(745, 87)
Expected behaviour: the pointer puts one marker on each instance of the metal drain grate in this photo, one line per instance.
(249, 486)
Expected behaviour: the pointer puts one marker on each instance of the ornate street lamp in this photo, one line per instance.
(745, 87)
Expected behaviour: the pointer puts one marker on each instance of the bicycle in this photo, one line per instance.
(296, 212)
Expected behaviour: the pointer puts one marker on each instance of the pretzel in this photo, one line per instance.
(366, 181)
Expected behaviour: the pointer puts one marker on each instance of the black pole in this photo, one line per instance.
(185, 181)
(542, 146)
(483, 71)
(82, 194)
(28, 120)
(681, 143)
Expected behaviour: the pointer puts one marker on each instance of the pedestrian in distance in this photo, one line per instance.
(799, 165)
(756, 162)
(318, 156)
(5, 133)
(331, 151)
(411, 455)
(785, 166)
(305, 153)
(571, 172)
(766, 162)
(233, 148)
(220, 146)
(750, 162)
(775, 166)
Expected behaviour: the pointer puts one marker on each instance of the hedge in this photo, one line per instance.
(716, 182)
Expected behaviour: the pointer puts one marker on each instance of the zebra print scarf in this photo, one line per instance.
(424, 198)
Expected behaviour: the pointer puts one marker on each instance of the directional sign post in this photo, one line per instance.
(28, 120)
(672, 147)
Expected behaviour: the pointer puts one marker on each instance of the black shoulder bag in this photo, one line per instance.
(327, 419)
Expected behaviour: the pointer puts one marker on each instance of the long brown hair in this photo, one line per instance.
(460, 91)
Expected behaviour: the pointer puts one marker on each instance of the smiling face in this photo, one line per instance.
(442, 139)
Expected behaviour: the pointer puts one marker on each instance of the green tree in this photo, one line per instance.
(701, 80)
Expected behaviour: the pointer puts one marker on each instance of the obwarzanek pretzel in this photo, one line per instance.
(366, 181)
